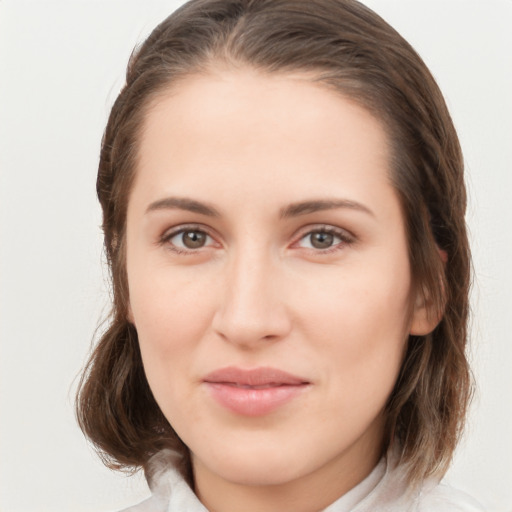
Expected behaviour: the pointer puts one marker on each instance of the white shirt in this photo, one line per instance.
(385, 489)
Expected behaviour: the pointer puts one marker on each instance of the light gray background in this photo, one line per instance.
(61, 66)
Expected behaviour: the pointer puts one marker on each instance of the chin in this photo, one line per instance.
(255, 465)
(259, 473)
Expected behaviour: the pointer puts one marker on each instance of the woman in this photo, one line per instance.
(283, 200)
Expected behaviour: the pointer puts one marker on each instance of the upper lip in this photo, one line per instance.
(262, 376)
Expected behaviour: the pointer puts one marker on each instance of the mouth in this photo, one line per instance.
(254, 392)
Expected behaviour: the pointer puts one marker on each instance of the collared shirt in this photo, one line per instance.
(385, 489)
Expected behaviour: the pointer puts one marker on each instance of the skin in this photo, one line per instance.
(259, 293)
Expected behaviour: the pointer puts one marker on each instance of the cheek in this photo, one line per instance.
(171, 314)
(361, 324)
(362, 355)
(169, 305)
(356, 300)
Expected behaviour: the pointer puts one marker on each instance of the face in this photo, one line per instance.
(268, 277)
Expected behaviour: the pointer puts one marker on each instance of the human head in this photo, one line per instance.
(348, 48)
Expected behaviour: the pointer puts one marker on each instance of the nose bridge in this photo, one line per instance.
(253, 306)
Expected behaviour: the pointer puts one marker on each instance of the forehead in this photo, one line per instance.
(249, 99)
(243, 129)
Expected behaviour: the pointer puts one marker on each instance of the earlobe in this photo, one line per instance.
(427, 312)
(425, 317)
(129, 314)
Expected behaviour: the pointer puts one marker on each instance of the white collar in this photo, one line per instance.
(171, 493)
(385, 489)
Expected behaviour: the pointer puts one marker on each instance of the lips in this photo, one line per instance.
(254, 392)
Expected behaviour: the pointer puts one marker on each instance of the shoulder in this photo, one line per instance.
(394, 493)
(170, 491)
(443, 498)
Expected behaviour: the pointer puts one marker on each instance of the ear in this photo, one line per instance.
(426, 314)
(425, 318)
(129, 314)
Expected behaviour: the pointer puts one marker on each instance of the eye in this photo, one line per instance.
(187, 239)
(324, 239)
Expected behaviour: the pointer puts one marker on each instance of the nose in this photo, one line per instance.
(252, 307)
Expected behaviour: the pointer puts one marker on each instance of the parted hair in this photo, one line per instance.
(350, 49)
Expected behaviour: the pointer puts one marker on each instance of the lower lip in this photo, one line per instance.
(254, 401)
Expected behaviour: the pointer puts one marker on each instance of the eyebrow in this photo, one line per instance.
(183, 203)
(318, 205)
(292, 210)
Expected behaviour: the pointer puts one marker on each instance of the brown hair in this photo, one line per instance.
(345, 46)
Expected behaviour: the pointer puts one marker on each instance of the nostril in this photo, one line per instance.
(251, 329)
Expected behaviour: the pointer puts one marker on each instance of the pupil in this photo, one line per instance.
(194, 239)
(321, 240)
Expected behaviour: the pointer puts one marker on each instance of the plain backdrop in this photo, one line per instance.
(61, 67)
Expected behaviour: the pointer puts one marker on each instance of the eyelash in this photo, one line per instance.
(344, 237)
(169, 235)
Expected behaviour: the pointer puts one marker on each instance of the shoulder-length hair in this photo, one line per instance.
(348, 48)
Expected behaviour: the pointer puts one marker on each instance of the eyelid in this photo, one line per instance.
(170, 233)
(345, 236)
